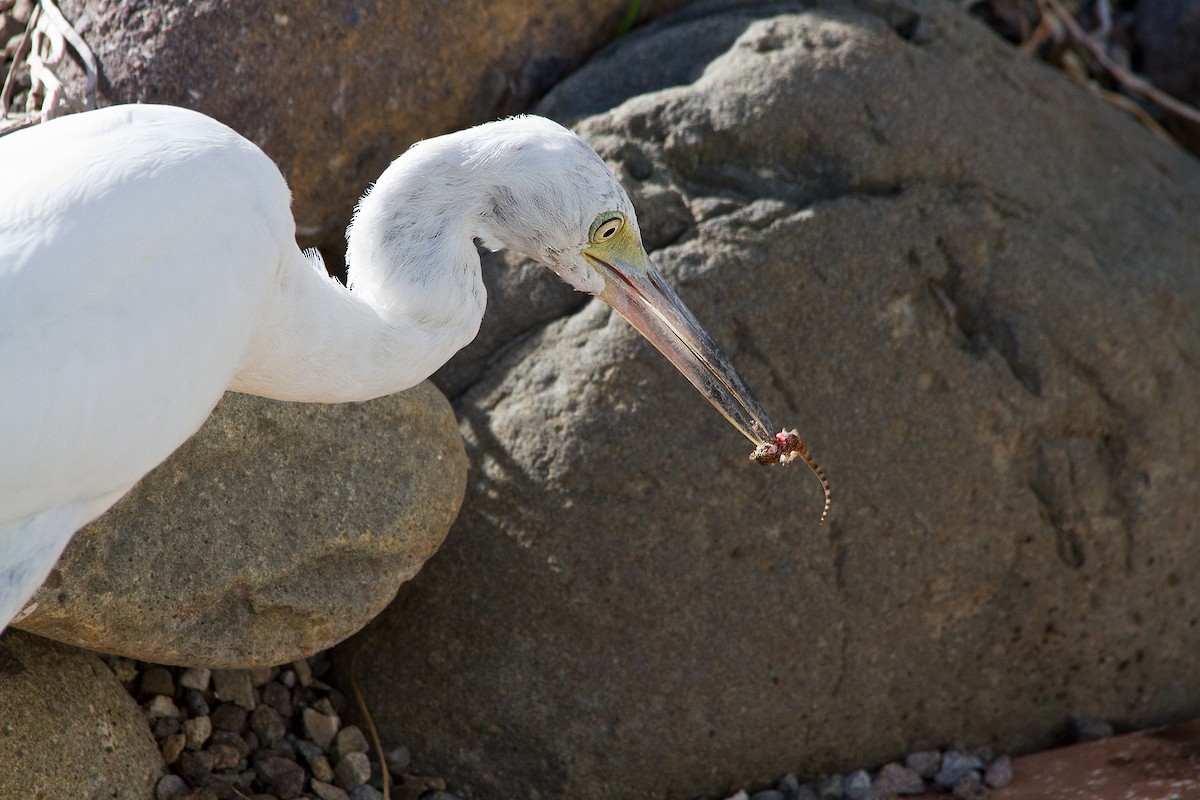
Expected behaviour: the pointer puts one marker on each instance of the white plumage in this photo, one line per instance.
(148, 264)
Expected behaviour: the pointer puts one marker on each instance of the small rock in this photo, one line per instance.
(125, 670)
(327, 791)
(225, 756)
(171, 746)
(955, 766)
(856, 785)
(739, 795)
(970, 787)
(1089, 729)
(925, 763)
(397, 759)
(229, 717)
(830, 788)
(999, 773)
(161, 706)
(768, 794)
(197, 730)
(157, 680)
(234, 686)
(895, 778)
(259, 676)
(195, 678)
(303, 672)
(789, 784)
(232, 739)
(352, 770)
(201, 794)
(309, 750)
(268, 724)
(321, 769)
(166, 726)
(325, 706)
(806, 792)
(197, 706)
(366, 792)
(195, 765)
(349, 740)
(169, 787)
(288, 678)
(283, 778)
(277, 696)
(250, 738)
(320, 728)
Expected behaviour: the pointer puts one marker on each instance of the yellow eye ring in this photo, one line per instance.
(606, 227)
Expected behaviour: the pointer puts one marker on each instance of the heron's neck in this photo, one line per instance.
(416, 297)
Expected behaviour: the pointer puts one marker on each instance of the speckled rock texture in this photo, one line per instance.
(275, 532)
(68, 730)
(334, 91)
(976, 291)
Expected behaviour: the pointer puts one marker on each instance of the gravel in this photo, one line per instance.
(958, 772)
(264, 734)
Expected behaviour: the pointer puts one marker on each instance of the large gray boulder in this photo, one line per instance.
(277, 531)
(976, 291)
(68, 730)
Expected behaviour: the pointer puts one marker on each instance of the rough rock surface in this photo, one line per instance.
(334, 91)
(277, 531)
(973, 287)
(68, 730)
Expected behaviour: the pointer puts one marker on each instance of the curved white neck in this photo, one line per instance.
(416, 297)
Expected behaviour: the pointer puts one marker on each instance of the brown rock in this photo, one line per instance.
(347, 114)
(276, 531)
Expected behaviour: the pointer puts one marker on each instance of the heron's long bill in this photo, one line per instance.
(640, 295)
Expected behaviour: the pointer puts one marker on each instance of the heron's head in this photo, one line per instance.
(551, 197)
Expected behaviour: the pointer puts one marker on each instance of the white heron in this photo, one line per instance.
(148, 264)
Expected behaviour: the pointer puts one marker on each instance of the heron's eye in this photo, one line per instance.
(607, 229)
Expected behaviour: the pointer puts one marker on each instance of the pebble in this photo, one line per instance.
(259, 676)
(195, 678)
(830, 788)
(197, 730)
(955, 766)
(327, 791)
(925, 763)
(169, 787)
(806, 792)
(999, 773)
(162, 706)
(397, 760)
(197, 706)
(321, 769)
(229, 717)
(233, 685)
(768, 794)
(896, 779)
(366, 792)
(349, 740)
(171, 746)
(268, 724)
(195, 765)
(283, 778)
(856, 785)
(157, 680)
(352, 770)
(277, 696)
(320, 728)
(739, 795)
(225, 756)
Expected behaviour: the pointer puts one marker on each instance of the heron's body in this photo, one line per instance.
(148, 264)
